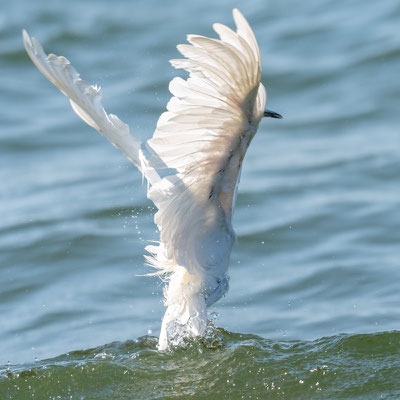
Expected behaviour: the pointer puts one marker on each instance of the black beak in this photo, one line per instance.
(272, 114)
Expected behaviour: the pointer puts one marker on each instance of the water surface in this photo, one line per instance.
(315, 273)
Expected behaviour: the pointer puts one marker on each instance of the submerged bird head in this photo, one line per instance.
(215, 288)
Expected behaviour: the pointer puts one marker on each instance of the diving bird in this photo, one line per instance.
(192, 163)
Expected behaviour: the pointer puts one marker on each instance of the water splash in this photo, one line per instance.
(221, 365)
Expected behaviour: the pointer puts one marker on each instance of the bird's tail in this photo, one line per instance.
(186, 314)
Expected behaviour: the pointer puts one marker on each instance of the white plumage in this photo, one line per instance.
(192, 163)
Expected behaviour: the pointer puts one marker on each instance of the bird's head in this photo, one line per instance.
(215, 288)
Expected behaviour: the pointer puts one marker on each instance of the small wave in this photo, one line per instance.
(225, 366)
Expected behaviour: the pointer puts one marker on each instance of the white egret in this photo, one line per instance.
(192, 163)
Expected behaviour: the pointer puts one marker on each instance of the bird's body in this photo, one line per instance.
(192, 163)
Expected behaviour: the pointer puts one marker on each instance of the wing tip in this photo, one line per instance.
(235, 11)
(27, 39)
(237, 14)
(239, 19)
(218, 26)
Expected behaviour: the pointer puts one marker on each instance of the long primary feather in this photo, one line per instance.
(85, 99)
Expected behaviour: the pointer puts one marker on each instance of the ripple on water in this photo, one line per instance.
(226, 365)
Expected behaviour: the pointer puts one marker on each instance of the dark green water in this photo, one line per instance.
(314, 290)
(226, 366)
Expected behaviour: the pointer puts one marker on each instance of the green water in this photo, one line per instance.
(226, 366)
(314, 291)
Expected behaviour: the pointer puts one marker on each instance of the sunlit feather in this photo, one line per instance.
(192, 162)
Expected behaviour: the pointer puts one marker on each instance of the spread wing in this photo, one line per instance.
(199, 145)
(197, 149)
(85, 100)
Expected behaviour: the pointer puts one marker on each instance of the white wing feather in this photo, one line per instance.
(85, 100)
(194, 161)
(199, 143)
(202, 139)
